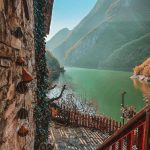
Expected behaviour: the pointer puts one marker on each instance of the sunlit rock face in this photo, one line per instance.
(16, 40)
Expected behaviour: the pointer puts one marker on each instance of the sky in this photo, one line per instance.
(68, 13)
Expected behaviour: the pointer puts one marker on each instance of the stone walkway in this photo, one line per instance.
(75, 138)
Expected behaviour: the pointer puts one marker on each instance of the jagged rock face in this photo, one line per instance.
(16, 40)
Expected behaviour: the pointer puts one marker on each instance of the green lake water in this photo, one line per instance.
(104, 87)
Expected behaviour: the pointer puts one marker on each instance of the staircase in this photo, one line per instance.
(133, 135)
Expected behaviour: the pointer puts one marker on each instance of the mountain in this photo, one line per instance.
(115, 35)
(57, 39)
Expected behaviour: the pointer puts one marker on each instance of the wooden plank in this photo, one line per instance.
(53, 135)
(100, 139)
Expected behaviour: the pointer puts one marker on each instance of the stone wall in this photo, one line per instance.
(16, 53)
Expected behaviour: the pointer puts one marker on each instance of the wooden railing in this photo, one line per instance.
(133, 135)
(76, 118)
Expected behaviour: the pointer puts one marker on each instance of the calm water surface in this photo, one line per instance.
(104, 87)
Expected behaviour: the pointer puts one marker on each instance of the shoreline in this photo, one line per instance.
(141, 78)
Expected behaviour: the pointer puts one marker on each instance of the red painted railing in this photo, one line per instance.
(133, 135)
(76, 118)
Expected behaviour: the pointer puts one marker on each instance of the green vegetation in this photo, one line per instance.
(131, 54)
(53, 66)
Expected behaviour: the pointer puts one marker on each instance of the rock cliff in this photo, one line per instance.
(16, 54)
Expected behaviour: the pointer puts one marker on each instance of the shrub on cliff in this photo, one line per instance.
(143, 69)
(53, 66)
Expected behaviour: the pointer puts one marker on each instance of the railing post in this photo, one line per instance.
(87, 120)
(147, 130)
(91, 120)
(107, 125)
(73, 117)
(77, 118)
(64, 110)
(114, 146)
(104, 122)
(101, 127)
(81, 119)
(113, 126)
(94, 122)
(141, 136)
(68, 115)
(98, 123)
(84, 120)
(121, 144)
(110, 126)
(95, 125)
(117, 126)
(120, 125)
(130, 140)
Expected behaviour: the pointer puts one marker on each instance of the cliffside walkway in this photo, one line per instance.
(73, 130)
(75, 138)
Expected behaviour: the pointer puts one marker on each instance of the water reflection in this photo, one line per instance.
(144, 87)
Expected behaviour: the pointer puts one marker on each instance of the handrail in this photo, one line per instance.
(141, 122)
(76, 118)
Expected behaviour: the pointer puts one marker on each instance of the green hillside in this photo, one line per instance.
(135, 51)
(53, 66)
